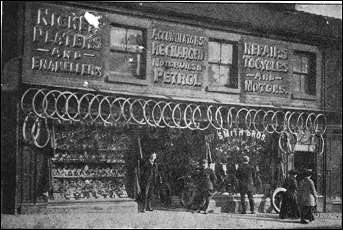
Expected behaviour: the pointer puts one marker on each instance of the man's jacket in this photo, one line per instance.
(246, 175)
(149, 174)
(207, 180)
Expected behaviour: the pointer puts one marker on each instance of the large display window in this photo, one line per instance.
(89, 163)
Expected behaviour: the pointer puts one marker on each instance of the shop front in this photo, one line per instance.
(101, 90)
(87, 146)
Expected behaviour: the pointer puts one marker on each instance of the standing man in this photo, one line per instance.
(149, 179)
(246, 175)
(220, 172)
(207, 179)
(231, 179)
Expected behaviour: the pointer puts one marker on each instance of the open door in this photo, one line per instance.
(306, 160)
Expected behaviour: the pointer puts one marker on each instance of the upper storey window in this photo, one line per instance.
(304, 73)
(127, 52)
(222, 59)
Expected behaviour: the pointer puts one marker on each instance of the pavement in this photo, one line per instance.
(166, 218)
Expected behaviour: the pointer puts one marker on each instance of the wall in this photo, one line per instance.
(333, 104)
(10, 75)
(48, 23)
(225, 21)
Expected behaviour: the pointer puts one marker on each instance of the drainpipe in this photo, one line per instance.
(323, 102)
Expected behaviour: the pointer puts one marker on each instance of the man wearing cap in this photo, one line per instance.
(207, 179)
(245, 175)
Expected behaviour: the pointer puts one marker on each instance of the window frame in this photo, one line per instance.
(127, 22)
(317, 60)
(311, 73)
(233, 66)
(126, 51)
(228, 38)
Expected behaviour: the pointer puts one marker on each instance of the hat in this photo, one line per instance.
(308, 172)
(245, 159)
(292, 172)
(204, 161)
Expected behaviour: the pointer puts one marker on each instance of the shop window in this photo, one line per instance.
(304, 73)
(127, 52)
(90, 164)
(222, 60)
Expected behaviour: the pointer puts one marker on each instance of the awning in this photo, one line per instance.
(90, 108)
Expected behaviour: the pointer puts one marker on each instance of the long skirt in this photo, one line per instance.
(289, 206)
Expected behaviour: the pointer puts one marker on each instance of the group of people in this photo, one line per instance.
(205, 184)
(150, 178)
(299, 201)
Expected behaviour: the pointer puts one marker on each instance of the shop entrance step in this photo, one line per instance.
(113, 206)
(94, 207)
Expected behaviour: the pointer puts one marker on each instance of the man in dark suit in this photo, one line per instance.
(149, 179)
(207, 179)
(246, 175)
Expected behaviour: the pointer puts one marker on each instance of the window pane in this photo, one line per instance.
(125, 63)
(135, 41)
(214, 73)
(296, 82)
(304, 64)
(226, 54)
(297, 64)
(118, 38)
(303, 83)
(224, 75)
(214, 52)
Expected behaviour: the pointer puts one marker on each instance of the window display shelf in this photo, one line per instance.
(88, 177)
(87, 162)
(90, 149)
(84, 201)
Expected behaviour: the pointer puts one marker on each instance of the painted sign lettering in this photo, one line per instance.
(66, 41)
(225, 133)
(265, 67)
(177, 57)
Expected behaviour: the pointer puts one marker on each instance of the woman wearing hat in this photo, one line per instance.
(307, 197)
(289, 206)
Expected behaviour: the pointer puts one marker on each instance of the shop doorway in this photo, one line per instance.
(306, 160)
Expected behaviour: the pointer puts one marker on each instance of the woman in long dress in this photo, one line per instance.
(289, 206)
(307, 197)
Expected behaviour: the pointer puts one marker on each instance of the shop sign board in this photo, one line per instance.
(222, 134)
(265, 66)
(225, 133)
(65, 41)
(178, 56)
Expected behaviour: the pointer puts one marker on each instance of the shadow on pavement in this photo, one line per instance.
(260, 216)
